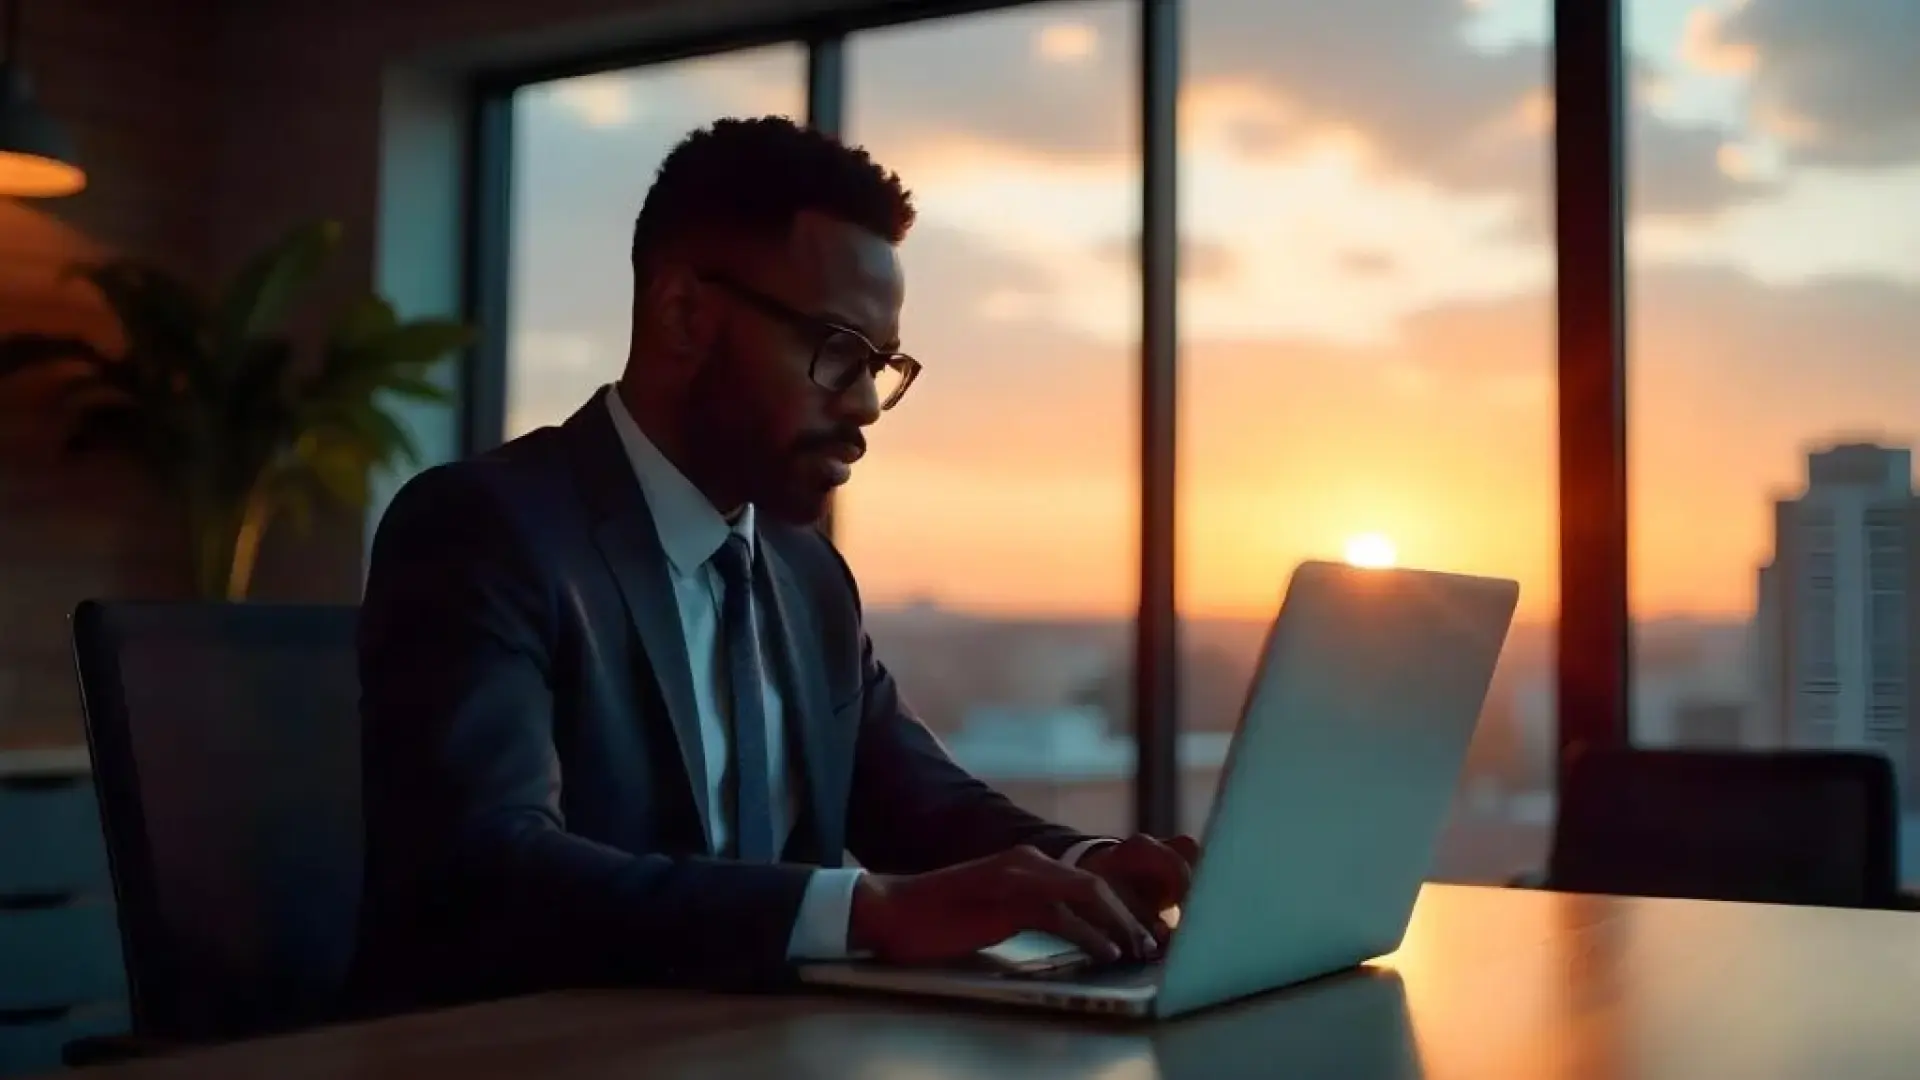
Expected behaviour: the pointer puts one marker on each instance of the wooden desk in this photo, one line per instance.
(1491, 984)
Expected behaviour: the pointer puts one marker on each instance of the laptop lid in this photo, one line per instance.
(1339, 779)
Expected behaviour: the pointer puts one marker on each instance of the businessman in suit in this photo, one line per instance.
(621, 720)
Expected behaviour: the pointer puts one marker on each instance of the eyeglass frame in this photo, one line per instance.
(825, 330)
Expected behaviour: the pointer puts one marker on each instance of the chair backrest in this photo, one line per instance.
(1784, 827)
(226, 754)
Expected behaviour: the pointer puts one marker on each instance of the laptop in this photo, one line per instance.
(1338, 780)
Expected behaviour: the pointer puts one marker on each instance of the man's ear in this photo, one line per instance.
(682, 312)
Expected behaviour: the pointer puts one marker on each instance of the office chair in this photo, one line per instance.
(225, 745)
(1782, 827)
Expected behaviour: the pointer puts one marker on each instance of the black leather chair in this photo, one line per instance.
(225, 744)
(1783, 827)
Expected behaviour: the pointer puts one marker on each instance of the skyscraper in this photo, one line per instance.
(1838, 625)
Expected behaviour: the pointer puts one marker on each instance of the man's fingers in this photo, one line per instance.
(1090, 898)
(1061, 921)
(1143, 909)
(1094, 900)
(1053, 884)
(1109, 914)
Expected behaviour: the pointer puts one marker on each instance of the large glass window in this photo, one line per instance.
(993, 528)
(1775, 378)
(1367, 356)
(584, 153)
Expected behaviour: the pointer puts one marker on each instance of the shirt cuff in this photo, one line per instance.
(820, 928)
(1074, 854)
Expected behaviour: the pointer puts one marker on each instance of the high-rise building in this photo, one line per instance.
(1838, 625)
(1770, 686)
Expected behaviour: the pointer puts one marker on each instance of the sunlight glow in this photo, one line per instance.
(600, 101)
(1372, 551)
(1066, 43)
(1734, 161)
(1702, 46)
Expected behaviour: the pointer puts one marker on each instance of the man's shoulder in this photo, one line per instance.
(525, 479)
(513, 471)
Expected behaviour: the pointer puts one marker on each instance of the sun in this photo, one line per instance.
(1371, 550)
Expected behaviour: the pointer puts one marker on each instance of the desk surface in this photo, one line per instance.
(1490, 984)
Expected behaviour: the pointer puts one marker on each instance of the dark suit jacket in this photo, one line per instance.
(530, 741)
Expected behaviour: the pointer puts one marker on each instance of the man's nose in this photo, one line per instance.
(860, 402)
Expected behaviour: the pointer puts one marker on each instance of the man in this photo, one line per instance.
(621, 721)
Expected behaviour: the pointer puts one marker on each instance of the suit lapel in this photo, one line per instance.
(630, 544)
(639, 566)
(826, 751)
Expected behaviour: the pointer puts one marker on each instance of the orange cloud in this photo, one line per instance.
(1067, 42)
(1535, 112)
(1703, 46)
(1778, 119)
(1234, 116)
(1734, 160)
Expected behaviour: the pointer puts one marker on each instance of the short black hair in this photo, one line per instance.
(754, 176)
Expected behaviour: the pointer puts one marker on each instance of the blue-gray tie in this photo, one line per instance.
(753, 839)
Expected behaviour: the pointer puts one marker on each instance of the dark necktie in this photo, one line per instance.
(753, 839)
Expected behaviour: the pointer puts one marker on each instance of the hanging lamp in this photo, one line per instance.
(36, 157)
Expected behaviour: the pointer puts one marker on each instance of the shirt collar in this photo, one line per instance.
(690, 529)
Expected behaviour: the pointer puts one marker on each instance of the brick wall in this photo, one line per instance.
(132, 83)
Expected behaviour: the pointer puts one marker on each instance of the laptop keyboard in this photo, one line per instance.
(1032, 956)
(1118, 973)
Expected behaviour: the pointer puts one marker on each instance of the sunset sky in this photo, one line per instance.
(1368, 286)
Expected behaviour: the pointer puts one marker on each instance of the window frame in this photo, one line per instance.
(1593, 637)
(1593, 644)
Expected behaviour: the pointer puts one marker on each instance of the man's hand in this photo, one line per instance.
(952, 913)
(1148, 875)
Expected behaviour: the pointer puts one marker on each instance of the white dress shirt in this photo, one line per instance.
(691, 531)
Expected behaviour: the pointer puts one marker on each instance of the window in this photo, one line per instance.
(1367, 306)
(1774, 306)
(994, 526)
(584, 153)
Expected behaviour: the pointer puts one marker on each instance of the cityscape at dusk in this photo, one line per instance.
(1367, 351)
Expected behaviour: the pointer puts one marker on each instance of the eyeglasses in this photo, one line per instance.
(841, 354)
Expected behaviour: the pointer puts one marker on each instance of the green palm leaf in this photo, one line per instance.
(416, 389)
(262, 295)
(378, 434)
(338, 466)
(228, 412)
(418, 343)
(362, 321)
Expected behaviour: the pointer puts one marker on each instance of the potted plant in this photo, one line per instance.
(222, 407)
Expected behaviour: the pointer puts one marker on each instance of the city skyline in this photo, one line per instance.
(1367, 303)
(1009, 695)
(1838, 605)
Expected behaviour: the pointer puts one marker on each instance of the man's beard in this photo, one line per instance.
(727, 442)
(738, 460)
(733, 443)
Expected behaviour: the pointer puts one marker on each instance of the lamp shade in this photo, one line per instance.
(36, 157)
